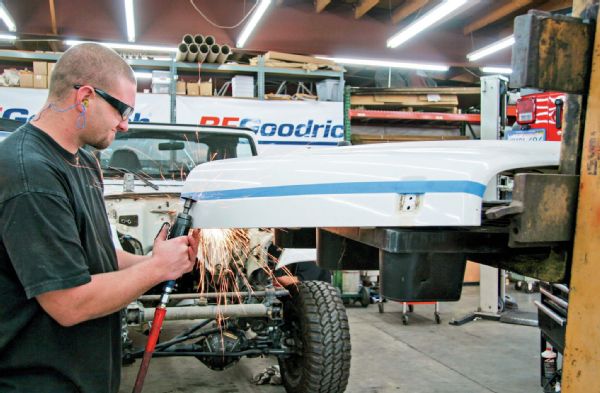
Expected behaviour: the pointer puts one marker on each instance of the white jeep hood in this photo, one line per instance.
(394, 184)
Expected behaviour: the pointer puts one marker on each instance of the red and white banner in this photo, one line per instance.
(278, 125)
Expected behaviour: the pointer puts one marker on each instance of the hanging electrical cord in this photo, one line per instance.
(224, 27)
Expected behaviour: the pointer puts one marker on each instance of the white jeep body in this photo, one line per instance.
(410, 184)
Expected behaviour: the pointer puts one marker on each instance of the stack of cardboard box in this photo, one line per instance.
(199, 88)
(39, 78)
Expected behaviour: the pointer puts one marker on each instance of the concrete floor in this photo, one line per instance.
(387, 356)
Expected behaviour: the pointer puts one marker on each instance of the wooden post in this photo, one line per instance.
(581, 366)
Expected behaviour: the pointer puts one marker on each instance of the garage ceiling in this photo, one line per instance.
(342, 28)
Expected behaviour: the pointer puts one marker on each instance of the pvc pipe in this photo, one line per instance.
(198, 39)
(208, 312)
(213, 53)
(203, 52)
(188, 39)
(224, 54)
(182, 52)
(209, 40)
(192, 52)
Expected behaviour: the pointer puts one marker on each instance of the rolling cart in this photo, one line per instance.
(408, 307)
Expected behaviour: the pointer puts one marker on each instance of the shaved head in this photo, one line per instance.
(88, 64)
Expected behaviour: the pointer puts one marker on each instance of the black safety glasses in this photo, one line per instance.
(124, 110)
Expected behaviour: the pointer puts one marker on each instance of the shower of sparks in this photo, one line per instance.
(223, 256)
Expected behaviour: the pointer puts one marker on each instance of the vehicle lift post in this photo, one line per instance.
(493, 120)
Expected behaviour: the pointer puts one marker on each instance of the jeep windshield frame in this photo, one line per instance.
(169, 152)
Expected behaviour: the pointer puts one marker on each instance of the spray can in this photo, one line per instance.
(549, 367)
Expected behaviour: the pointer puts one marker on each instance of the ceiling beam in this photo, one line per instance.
(499, 13)
(363, 7)
(53, 44)
(554, 5)
(320, 5)
(53, 17)
(407, 8)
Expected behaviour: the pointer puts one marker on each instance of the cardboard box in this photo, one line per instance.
(50, 68)
(40, 81)
(206, 88)
(161, 77)
(242, 86)
(193, 89)
(180, 88)
(40, 68)
(160, 89)
(25, 78)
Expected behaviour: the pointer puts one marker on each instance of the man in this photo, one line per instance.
(62, 283)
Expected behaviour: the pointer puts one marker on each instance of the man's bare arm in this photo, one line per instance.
(107, 293)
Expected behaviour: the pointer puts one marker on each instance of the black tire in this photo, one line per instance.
(529, 287)
(518, 285)
(365, 296)
(316, 319)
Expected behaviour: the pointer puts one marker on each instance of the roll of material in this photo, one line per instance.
(215, 50)
(182, 52)
(198, 39)
(203, 52)
(188, 39)
(209, 40)
(224, 54)
(192, 52)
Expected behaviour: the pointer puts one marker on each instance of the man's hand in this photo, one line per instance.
(173, 256)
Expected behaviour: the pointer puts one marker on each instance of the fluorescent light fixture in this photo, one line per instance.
(496, 70)
(427, 20)
(260, 11)
(143, 75)
(8, 20)
(492, 48)
(7, 37)
(130, 20)
(388, 64)
(133, 47)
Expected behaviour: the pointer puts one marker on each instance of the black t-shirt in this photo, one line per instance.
(54, 234)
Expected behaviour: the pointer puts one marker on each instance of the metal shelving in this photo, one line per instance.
(261, 71)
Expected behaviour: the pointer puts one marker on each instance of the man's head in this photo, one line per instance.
(100, 86)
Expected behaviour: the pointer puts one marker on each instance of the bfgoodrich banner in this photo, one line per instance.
(278, 125)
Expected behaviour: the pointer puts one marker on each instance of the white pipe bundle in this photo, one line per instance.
(182, 52)
(215, 50)
(192, 52)
(224, 54)
(203, 52)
